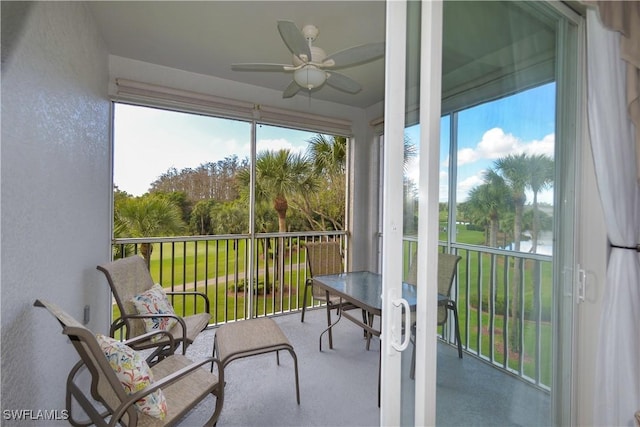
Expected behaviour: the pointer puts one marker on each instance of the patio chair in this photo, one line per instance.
(130, 280)
(447, 269)
(124, 390)
(322, 258)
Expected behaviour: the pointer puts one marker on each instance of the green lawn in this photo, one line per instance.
(199, 260)
(483, 347)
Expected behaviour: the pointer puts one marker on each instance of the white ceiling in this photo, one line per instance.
(480, 39)
(206, 37)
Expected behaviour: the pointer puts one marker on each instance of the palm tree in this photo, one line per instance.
(279, 176)
(325, 209)
(201, 221)
(488, 201)
(541, 173)
(328, 155)
(147, 216)
(515, 170)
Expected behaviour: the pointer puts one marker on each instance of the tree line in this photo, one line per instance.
(293, 191)
(306, 192)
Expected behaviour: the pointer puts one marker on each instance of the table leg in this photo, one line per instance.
(329, 322)
(331, 325)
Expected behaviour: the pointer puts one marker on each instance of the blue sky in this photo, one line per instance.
(150, 141)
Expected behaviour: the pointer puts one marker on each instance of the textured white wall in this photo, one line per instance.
(55, 193)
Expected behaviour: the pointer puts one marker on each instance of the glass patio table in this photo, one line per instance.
(362, 289)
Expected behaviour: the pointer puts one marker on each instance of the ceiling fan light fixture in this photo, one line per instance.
(309, 77)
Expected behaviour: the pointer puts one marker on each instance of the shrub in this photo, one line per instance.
(257, 289)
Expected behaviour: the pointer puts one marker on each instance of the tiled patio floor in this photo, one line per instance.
(339, 387)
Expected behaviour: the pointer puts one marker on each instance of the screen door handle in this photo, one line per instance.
(401, 346)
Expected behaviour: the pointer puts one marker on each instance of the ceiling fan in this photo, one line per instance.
(311, 67)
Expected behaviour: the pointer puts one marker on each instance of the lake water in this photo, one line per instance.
(545, 243)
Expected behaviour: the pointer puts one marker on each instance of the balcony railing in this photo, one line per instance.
(220, 266)
(504, 301)
(504, 297)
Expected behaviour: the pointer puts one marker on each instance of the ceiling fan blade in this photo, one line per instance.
(356, 55)
(294, 40)
(291, 90)
(342, 82)
(259, 67)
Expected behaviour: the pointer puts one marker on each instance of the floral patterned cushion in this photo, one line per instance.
(154, 301)
(134, 375)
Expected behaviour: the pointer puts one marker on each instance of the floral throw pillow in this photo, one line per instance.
(154, 301)
(134, 375)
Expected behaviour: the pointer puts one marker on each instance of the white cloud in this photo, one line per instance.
(278, 144)
(495, 143)
(544, 146)
(467, 155)
(467, 184)
(444, 186)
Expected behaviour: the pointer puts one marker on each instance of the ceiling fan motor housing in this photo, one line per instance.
(310, 32)
(317, 56)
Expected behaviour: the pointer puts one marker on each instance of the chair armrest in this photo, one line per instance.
(119, 323)
(200, 294)
(168, 380)
(148, 335)
(123, 318)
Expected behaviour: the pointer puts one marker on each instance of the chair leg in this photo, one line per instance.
(455, 318)
(368, 334)
(304, 301)
(295, 366)
(365, 320)
(412, 367)
(215, 351)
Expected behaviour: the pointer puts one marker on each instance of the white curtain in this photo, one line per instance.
(612, 140)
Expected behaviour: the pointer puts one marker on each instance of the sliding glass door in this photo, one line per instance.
(488, 172)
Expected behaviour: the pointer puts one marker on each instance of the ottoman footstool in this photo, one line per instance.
(250, 338)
